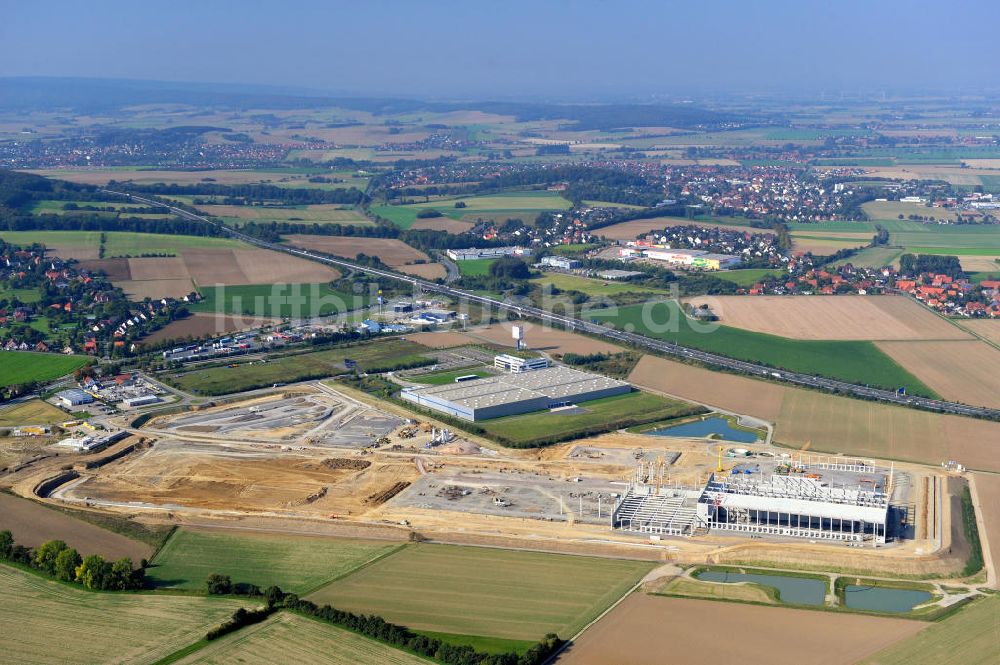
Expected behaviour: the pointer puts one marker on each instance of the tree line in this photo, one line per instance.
(61, 562)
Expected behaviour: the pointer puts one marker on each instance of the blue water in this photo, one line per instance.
(881, 599)
(794, 590)
(707, 427)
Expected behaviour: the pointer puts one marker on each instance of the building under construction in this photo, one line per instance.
(819, 498)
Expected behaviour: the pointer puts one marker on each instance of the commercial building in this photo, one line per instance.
(140, 400)
(560, 262)
(486, 253)
(514, 364)
(619, 275)
(694, 258)
(74, 397)
(514, 393)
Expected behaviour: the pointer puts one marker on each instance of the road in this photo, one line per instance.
(627, 338)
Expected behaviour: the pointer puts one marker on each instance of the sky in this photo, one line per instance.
(511, 49)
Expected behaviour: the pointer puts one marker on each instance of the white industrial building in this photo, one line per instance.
(514, 393)
(515, 364)
(824, 499)
(561, 262)
(74, 397)
(486, 253)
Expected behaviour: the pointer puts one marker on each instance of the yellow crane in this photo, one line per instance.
(659, 474)
(718, 467)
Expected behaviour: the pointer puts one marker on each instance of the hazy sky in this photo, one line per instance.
(510, 48)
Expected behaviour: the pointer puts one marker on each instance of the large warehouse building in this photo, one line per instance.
(511, 394)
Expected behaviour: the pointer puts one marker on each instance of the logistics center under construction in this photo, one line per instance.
(819, 498)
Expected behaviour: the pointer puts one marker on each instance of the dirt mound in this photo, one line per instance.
(382, 497)
(342, 463)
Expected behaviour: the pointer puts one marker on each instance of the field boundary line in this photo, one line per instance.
(370, 562)
(567, 643)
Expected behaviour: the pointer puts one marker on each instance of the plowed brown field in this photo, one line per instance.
(962, 371)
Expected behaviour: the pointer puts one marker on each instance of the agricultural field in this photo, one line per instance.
(394, 253)
(288, 369)
(479, 591)
(702, 632)
(970, 637)
(289, 638)
(295, 301)
(295, 563)
(80, 245)
(147, 176)
(26, 366)
(625, 231)
(829, 423)
(65, 625)
(833, 317)
(538, 337)
(33, 523)
(960, 371)
(985, 328)
(600, 414)
(595, 288)
(747, 277)
(891, 210)
(521, 205)
(201, 324)
(475, 267)
(875, 257)
(31, 412)
(824, 244)
(986, 493)
(118, 209)
(237, 215)
(852, 361)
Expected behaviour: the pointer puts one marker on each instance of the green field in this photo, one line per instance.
(295, 563)
(303, 214)
(26, 366)
(600, 415)
(289, 638)
(485, 592)
(288, 369)
(969, 637)
(875, 257)
(296, 301)
(26, 296)
(119, 243)
(515, 204)
(441, 378)
(31, 412)
(61, 624)
(475, 267)
(595, 288)
(852, 361)
(747, 276)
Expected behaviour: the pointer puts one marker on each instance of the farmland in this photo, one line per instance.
(392, 252)
(970, 636)
(834, 317)
(829, 422)
(291, 368)
(644, 628)
(961, 371)
(598, 415)
(852, 361)
(475, 267)
(31, 412)
(478, 591)
(891, 210)
(595, 288)
(144, 176)
(295, 301)
(631, 230)
(288, 638)
(25, 366)
(238, 215)
(538, 337)
(295, 563)
(66, 625)
(32, 523)
(522, 205)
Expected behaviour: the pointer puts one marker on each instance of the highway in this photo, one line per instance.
(632, 339)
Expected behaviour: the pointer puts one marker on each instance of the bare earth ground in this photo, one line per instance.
(33, 524)
(156, 288)
(439, 340)
(833, 317)
(625, 231)
(425, 270)
(115, 269)
(543, 338)
(442, 224)
(987, 328)
(963, 371)
(655, 630)
(393, 252)
(201, 324)
(144, 268)
(805, 418)
(988, 493)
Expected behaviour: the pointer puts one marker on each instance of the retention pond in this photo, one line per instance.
(883, 599)
(793, 590)
(708, 427)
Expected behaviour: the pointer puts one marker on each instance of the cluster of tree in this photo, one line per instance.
(913, 265)
(881, 236)
(377, 628)
(507, 273)
(17, 220)
(617, 365)
(59, 561)
(249, 193)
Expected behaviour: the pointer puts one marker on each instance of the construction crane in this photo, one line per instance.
(659, 474)
(718, 467)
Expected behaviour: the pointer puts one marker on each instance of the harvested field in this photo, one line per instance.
(80, 245)
(31, 412)
(289, 638)
(392, 252)
(307, 214)
(425, 270)
(99, 176)
(64, 625)
(32, 524)
(543, 338)
(440, 340)
(156, 288)
(644, 628)
(979, 263)
(961, 371)
(828, 422)
(295, 563)
(986, 328)
(480, 591)
(171, 267)
(201, 324)
(987, 497)
(625, 231)
(115, 269)
(967, 638)
(826, 244)
(833, 317)
(442, 224)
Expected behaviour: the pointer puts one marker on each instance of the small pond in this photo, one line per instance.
(707, 427)
(883, 599)
(794, 590)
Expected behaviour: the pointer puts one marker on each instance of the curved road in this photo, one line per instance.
(633, 339)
